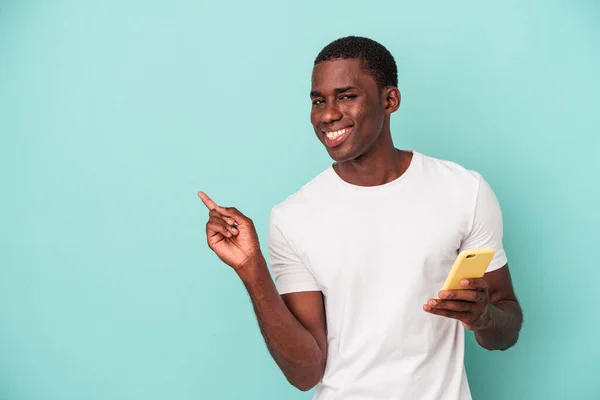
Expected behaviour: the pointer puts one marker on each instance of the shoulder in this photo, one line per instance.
(450, 180)
(454, 186)
(459, 186)
(447, 172)
(302, 203)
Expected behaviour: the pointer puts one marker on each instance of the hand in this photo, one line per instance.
(230, 234)
(469, 305)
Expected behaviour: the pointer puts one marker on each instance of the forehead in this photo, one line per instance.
(328, 75)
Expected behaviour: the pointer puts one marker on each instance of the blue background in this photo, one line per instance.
(114, 114)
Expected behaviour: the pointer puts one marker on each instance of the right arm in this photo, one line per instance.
(293, 325)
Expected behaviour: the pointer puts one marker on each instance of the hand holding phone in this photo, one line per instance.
(464, 295)
(468, 264)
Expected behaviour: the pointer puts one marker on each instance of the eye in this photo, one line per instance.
(347, 97)
(317, 102)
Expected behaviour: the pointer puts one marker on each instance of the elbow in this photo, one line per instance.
(308, 379)
(498, 345)
(305, 384)
(511, 343)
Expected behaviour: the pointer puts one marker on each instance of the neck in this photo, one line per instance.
(383, 163)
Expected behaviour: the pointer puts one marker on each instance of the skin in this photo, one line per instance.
(293, 325)
(488, 306)
(343, 94)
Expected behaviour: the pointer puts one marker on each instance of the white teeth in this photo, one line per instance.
(334, 134)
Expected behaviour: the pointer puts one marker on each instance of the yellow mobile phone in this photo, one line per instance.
(468, 264)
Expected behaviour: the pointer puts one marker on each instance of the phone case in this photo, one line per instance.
(468, 264)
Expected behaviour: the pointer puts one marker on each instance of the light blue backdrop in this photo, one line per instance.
(113, 116)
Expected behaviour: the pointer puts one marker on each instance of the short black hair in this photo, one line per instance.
(375, 58)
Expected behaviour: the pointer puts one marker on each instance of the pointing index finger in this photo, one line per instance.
(230, 213)
(211, 205)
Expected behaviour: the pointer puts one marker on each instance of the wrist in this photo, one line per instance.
(486, 320)
(254, 266)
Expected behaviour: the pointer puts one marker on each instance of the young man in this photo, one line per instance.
(360, 252)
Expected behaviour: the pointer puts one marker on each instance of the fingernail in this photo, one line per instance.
(464, 282)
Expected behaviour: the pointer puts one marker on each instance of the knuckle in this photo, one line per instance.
(473, 316)
(214, 225)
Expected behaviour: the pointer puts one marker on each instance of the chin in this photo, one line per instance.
(341, 155)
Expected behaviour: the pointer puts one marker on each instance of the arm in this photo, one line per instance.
(292, 325)
(505, 316)
(488, 306)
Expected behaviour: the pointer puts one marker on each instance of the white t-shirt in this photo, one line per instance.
(378, 254)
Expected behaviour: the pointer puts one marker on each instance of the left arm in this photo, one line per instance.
(505, 314)
(488, 306)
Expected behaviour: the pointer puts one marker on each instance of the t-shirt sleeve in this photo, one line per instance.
(486, 226)
(290, 274)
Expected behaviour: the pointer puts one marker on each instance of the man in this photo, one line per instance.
(360, 252)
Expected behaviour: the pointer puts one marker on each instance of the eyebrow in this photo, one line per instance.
(315, 93)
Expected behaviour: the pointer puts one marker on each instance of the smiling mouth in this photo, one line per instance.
(334, 134)
(334, 138)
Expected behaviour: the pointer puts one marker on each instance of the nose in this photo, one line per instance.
(331, 113)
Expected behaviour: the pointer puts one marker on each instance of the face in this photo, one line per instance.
(349, 110)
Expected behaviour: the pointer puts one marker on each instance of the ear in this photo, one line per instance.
(391, 99)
